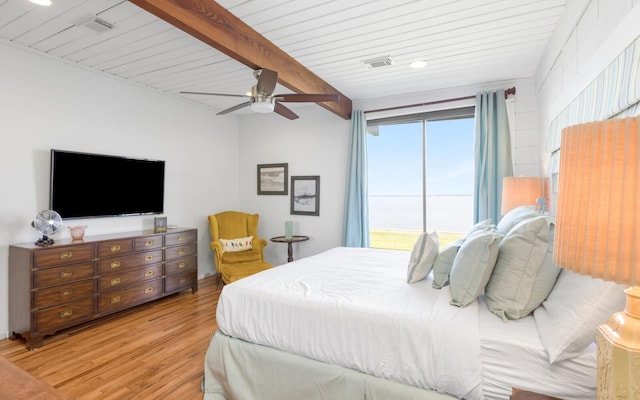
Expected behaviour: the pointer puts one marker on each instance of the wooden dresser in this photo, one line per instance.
(71, 282)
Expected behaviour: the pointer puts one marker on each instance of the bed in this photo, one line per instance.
(345, 324)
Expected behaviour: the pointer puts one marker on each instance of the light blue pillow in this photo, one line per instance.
(443, 263)
(515, 216)
(472, 267)
(422, 256)
(524, 273)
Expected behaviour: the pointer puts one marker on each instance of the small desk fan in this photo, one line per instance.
(47, 222)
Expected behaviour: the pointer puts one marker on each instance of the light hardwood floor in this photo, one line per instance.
(154, 351)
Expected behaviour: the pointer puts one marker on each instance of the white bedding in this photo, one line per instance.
(352, 307)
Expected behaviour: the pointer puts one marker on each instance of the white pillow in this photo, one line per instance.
(521, 279)
(472, 267)
(443, 263)
(239, 244)
(423, 254)
(568, 318)
(513, 217)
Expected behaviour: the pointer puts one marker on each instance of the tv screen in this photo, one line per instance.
(84, 185)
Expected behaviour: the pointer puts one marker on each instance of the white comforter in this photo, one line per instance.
(353, 307)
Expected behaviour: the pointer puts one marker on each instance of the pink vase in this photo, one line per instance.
(77, 232)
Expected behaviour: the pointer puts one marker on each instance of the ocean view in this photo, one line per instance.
(445, 213)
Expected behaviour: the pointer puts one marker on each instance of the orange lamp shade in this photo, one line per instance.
(520, 191)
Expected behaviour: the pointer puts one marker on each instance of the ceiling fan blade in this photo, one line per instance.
(217, 94)
(301, 97)
(236, 107)
(267, 82)
(284, 111)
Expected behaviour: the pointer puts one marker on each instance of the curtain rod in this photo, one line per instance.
(507, 92)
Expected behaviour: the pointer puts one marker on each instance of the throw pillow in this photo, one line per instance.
(568, 318)
(524, 273)
(239, 244)
(443, 263)
(472, 267)
(424, 252)
(513, 217)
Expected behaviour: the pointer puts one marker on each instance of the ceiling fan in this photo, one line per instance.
(263, 100)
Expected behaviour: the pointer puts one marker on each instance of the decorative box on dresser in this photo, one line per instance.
(55, 287)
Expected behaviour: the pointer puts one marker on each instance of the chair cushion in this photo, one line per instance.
(242, 256)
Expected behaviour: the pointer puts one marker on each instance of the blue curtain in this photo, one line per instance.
(492, 155)
(356, 210)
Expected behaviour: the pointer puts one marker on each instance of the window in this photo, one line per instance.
(421, 170)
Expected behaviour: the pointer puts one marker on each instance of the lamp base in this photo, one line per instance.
(618, 347)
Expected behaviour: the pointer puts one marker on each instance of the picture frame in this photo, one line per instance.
(305, 195)
(273, 179)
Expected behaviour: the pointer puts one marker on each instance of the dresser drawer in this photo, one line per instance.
(148, 243)
(172, 239)
(115, 264)
(131, 276)
(178, 282)
(186, 250)
(62, 255)
(63, 294)
(181, 265)
(120, 299)
(62, 275)
(64, 315)
(115, 247)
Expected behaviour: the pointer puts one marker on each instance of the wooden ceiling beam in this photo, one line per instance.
(211, 23)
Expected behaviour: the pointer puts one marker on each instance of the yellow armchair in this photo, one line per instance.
(234, 265)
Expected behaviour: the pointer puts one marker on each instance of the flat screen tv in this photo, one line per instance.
(85, 185)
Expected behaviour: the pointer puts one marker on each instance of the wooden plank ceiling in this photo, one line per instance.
(464, 42)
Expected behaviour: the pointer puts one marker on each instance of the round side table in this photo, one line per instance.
(289, 242)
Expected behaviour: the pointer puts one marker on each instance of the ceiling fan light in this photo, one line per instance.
(263, 106)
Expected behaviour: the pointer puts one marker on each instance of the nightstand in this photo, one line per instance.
(519, 394)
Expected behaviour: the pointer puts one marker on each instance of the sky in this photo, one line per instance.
(395, 158)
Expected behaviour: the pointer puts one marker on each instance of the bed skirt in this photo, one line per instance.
(238, 370)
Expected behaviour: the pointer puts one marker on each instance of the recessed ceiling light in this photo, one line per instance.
(418, 64)
(41, 2)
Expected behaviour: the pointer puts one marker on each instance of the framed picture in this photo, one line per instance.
(305, 195)
(273, 178)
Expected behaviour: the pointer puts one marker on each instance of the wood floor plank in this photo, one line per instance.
(154, 351)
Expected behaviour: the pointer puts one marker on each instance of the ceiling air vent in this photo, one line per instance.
(94, 23)
(378, 62)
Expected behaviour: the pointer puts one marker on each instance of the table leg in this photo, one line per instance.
(290, 252)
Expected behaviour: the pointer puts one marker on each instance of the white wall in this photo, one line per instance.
(315, 144)
(47, 104)
(591, 34)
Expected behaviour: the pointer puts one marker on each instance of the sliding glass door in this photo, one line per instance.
(421, 178)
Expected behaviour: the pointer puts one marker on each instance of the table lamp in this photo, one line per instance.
(520, 191)
(598, 234)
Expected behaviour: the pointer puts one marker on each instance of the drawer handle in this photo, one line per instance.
(181, 238)
(148, 243)
(115, 264)
(66, 254)
(66, 292)
(148, 290)
(181, 252)
(115, 247)
(66, 274)
(115, 281)
(115, 299)
(148, 258)
(182, 280)
(181, 265)
(148, 273)
(66, 314)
